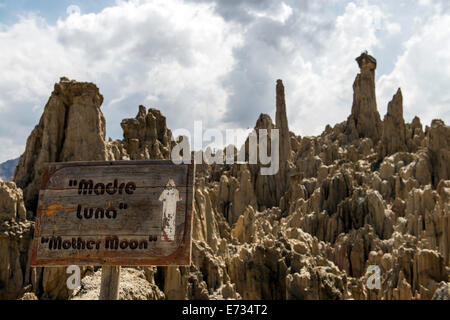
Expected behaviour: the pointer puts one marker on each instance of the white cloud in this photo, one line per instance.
(281, 14)
(423, 72)
(162, 54)
(393, 28)
(318, 80)
(320, 91)
(10, 149)
(425, 2)
(218, 61)
(73, 9)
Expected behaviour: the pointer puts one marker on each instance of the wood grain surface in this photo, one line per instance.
(111, 213)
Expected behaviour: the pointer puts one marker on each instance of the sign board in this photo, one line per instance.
(116, 213)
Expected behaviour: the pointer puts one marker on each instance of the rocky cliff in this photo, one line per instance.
(7, 169)
(366, 192)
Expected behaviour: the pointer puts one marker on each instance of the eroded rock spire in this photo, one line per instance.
(365, 121)
(394, 128)
(281, 123)
(72, 128)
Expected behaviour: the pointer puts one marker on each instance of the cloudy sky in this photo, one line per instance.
(218, 60)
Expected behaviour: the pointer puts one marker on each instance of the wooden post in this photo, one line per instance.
(109, 288)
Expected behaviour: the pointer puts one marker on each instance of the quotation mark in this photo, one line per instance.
(123, 206)
(72, 183)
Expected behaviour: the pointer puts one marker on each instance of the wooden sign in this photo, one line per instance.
(114, 213)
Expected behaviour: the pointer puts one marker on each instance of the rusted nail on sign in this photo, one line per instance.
(114, 213)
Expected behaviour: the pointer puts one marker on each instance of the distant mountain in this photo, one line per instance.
(7, 169)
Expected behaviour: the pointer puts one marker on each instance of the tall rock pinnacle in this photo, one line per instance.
(365, 121)
(281, 123)
(269, 189)
(394, 128)
(72, 128)
(439, 148)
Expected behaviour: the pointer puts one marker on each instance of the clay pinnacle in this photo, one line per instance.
(281, 117)
(281, 123)
(366, 61)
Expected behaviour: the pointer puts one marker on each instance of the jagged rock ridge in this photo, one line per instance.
(364, 192)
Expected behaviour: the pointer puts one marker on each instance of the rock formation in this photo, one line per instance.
(147, 136)
(394, 129)
(134, 285)
(439, 148)
(270, 189)
(363, 193)
(15, 243)
(72, 127)
(281, 123)
(364, 120)
(265, 186)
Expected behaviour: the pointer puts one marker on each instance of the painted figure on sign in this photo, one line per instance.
(169, 197)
